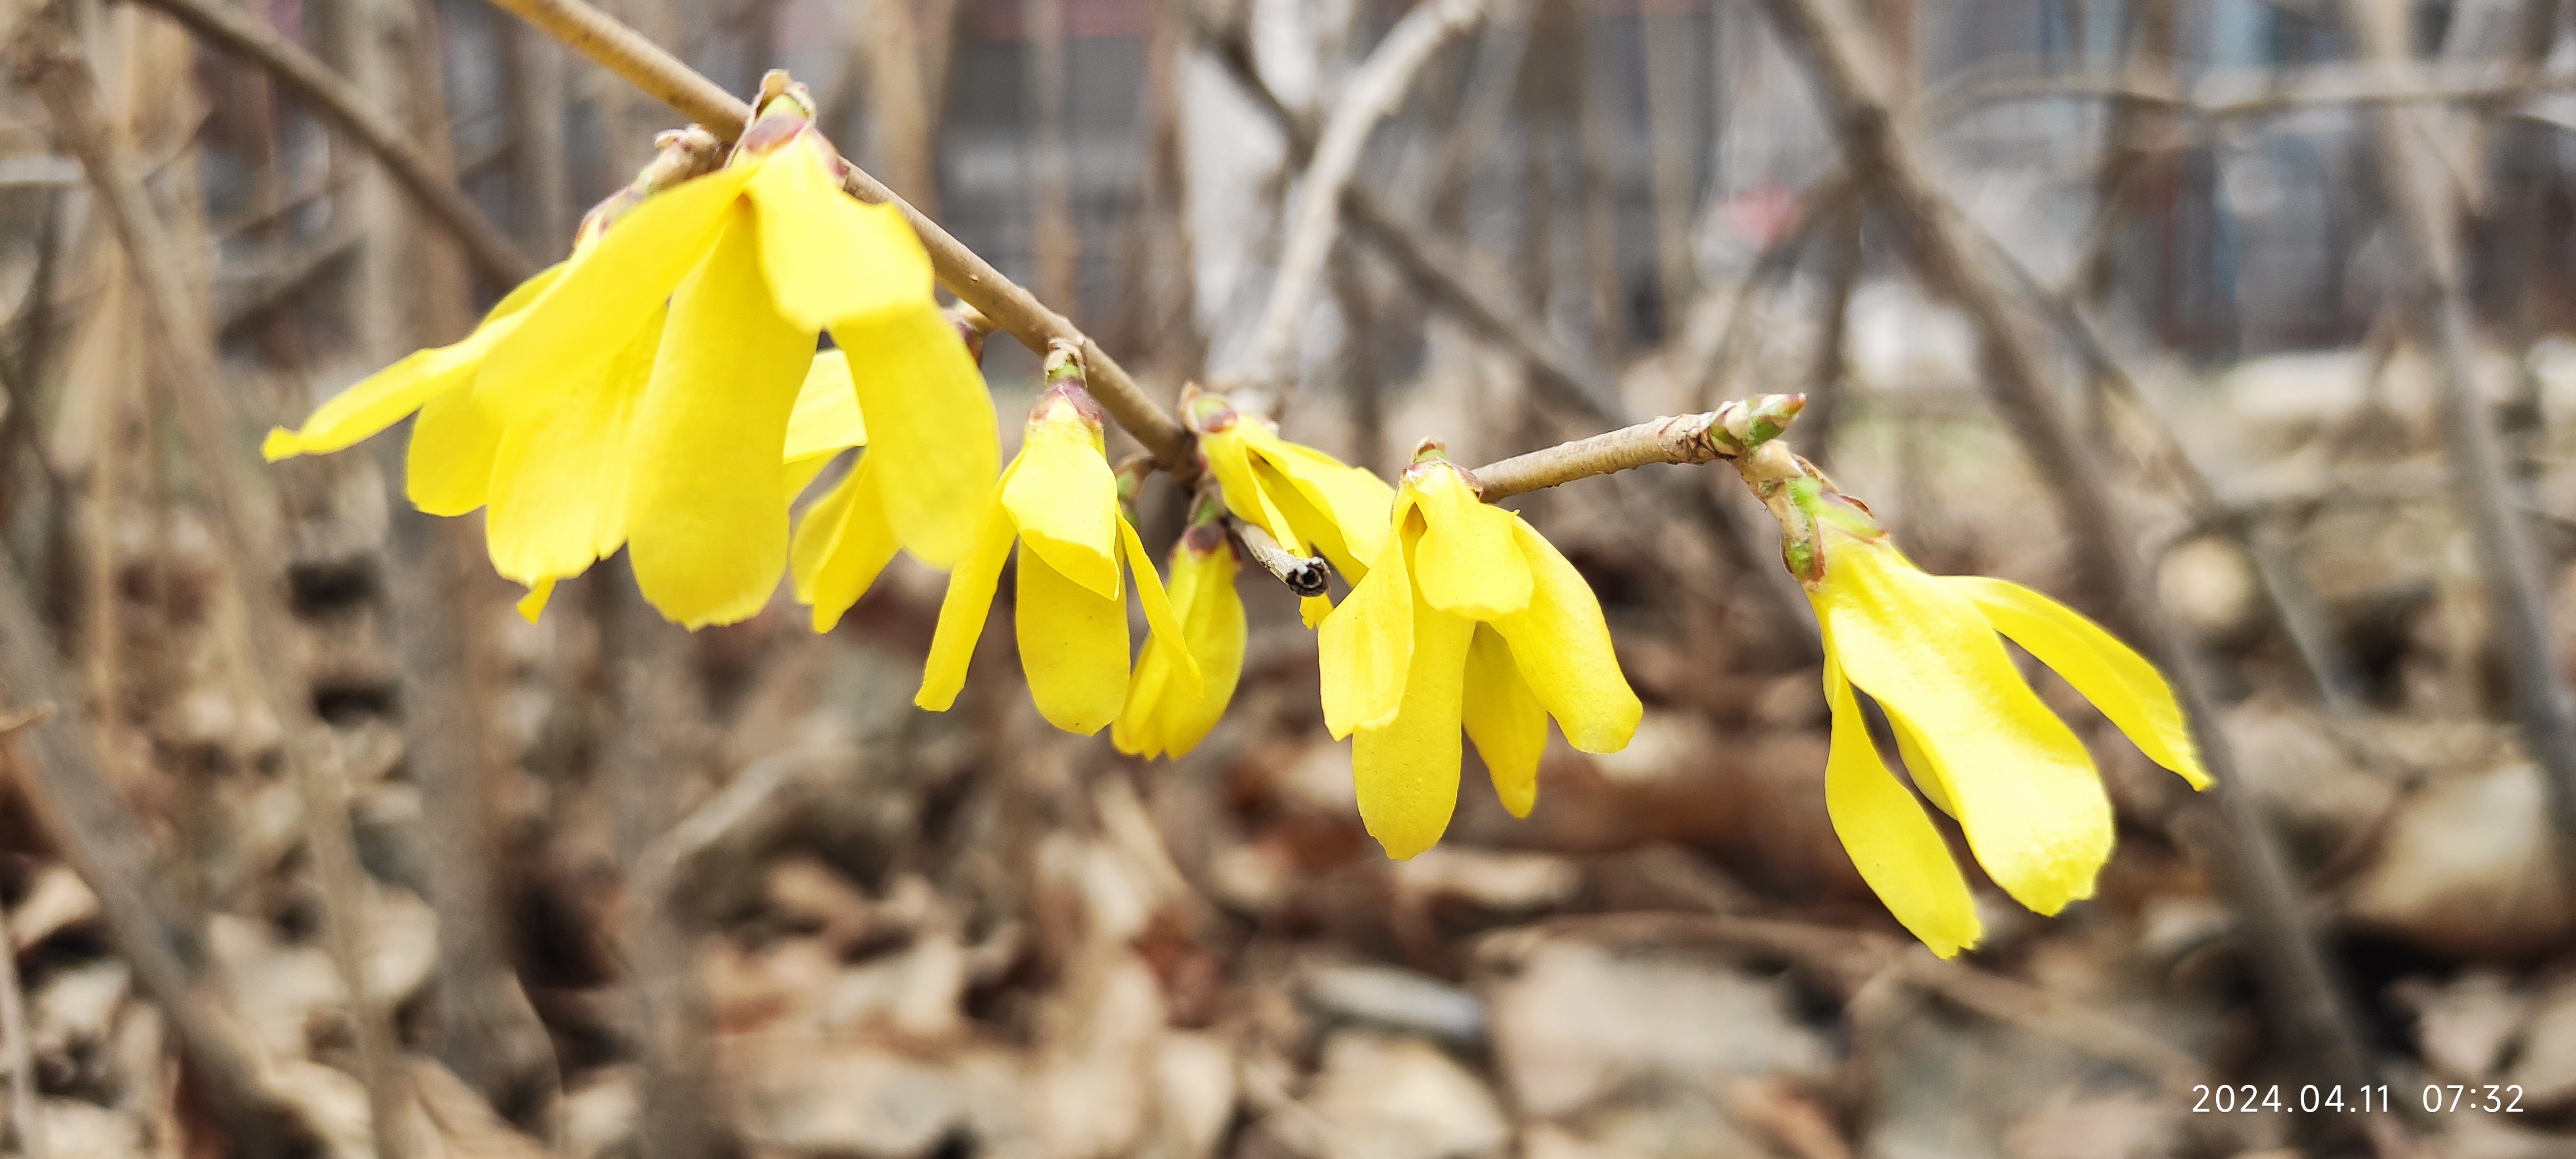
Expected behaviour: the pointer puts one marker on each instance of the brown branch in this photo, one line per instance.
(2227, 830)
(1681, 439)
(1371, 94)
(47, 60)
(237, 30)
(647, 66)
(2437, 313)
(2321, 87)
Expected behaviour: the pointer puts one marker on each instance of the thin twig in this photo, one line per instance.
(647, 66)
(240, 30)
(1304, 575)
(1684, 439)
(1371, 94)
(2320, 87)
(2228, 830)
(2438, 315)
(48, 60)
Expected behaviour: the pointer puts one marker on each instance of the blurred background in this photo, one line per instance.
(603, 888)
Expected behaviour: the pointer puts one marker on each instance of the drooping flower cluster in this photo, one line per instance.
(661, 390)
(1059, 501)
(1468, 616)
(1978, 742)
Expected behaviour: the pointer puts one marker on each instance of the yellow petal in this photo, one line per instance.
(1365, 647)
(1073, 645)
(448, 468)
(608, 290)
(1927, 776)
(931, 418)
(1407, 769)
(1066, 502)
(1158, 607)
(1229, 460)
(1141, 727)
(560, 478)
(1352, 501)
(706, 529)
(841, 546)
(1562, 646)
(2109, 673)
(1467, 564)
(1160, 718)
(962, 610)
(2033, 808)
(1505, 721)
(830, 258)
(1311, 610)
(1891, 841)
(534, 603)
(383, 398)
(826, 418)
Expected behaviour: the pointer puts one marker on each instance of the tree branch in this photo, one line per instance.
(647, 66)
(47, 60)
(2438, 314)
(237, 30)
(1724, 433)
(1372, 94)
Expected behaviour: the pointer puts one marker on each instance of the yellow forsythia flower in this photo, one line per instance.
(1059, 501)
(1166, 713)
(1980, 744)
(1467, 615)
(1310, 502)
(754, 260)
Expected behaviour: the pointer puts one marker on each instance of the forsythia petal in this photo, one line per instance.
(1562, 646)
(930, 419)
(1073, 645)
(2109, 673)
(1466, 563)
(841, 546)
(1365, 647)
(2034, 809)
(608, 290)
(1063, 497)
(448, 467)
(533, 603)
(383, 398)
(1158, 719)
(1891, 841)
(1407, 769)
(829, 258)
(1504, 719)
(559, 481)
(963, 609)
(707, 530)
(1158, 608)
(826, 417)
(1927, 775)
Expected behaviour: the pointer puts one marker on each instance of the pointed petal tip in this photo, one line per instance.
(281, 443)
